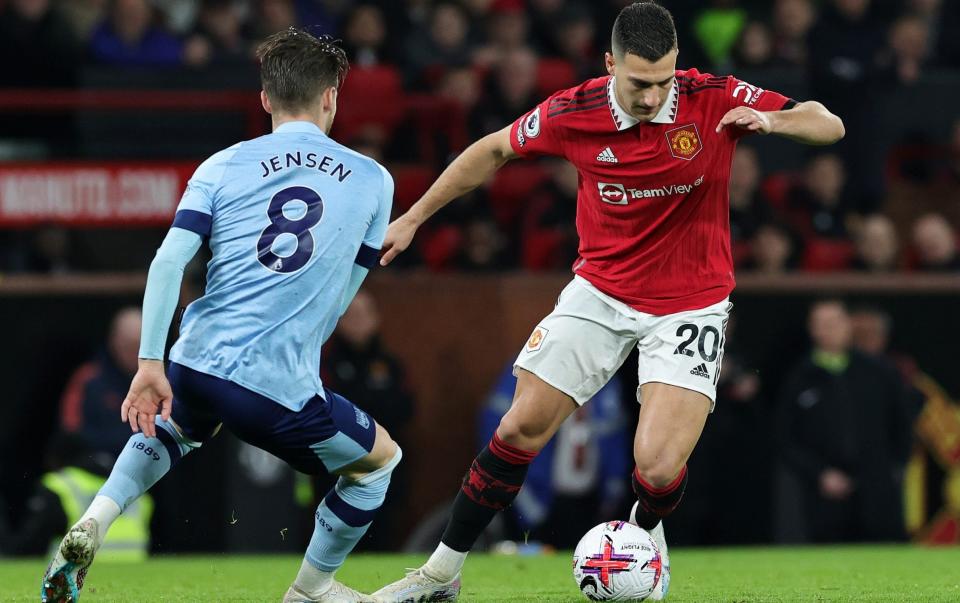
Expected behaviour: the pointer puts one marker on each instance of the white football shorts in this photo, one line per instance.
(579, 346)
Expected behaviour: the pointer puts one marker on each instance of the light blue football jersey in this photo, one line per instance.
(287, 215)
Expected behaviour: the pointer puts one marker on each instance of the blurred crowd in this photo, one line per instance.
(486, 62)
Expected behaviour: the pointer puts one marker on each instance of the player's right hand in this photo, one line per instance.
(149, 394)
(399, 236)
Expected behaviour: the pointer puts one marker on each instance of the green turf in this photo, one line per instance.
(895, 573)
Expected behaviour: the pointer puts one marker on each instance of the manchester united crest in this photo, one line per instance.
(684, 142)
(536, 339)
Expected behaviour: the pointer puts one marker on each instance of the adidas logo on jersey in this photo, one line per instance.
(701, 371)
(607, 156)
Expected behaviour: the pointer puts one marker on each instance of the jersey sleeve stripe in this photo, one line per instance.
(367, 256)
(788, 104)
(579, 107)
(194, 221)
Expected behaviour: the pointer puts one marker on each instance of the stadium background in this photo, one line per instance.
(107, 106)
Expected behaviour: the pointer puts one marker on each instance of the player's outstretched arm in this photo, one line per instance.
(807, 122)
(468, 171)
(150, 392)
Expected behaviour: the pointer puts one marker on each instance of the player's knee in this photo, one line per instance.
(173, 434)
(523, 433)
(658, 470)
(381, 468)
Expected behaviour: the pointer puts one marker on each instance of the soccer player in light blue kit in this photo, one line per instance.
(294, 221)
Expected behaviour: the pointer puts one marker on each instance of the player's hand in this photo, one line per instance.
(748, 119)
(399, 236)
(835, 485)
(149, 394)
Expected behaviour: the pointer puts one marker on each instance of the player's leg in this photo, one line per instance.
(345, 514)
(680, 358)
(671, 421)
(327, 435)
(569, 357)
(140, 465)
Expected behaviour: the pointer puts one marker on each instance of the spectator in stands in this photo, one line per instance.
(545, 16)
(549, 237)
(579, 479)
(909, 47)
(461, 85)
(816, 206)
(754, 48)
(774, 249)
(936, 244)
(575, 42)
(50, 251)
(507, 27)
(38, 44)
(513, 90)
(83, 15)
(844, 433)
(273, 16)
(484, 247)
(717, 29)
(748, 208)
(359, 366)
(444, 44)
(91, 402)
(792, 20)
(845, 69)
(130, 37)
(365, 36)
(942, 20)
(877, 245)
(871, 329)
(218, 37)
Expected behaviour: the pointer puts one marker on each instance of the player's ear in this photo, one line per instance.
(610, 62)
(265, 101)
(330, 99)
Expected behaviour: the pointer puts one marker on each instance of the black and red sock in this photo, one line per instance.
(491, 484)
(657, 503)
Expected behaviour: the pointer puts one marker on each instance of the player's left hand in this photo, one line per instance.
(748, 119)
(149, 394)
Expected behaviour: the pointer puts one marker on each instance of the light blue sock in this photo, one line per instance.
(143, 462)
(344, 516)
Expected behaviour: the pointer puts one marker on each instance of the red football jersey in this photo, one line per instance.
(653, 204)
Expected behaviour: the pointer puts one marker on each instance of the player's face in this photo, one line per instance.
(642, 86)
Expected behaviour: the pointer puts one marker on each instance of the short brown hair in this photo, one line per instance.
(645, 29)
(296, 67)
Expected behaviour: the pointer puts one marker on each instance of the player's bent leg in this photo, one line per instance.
(671, 421)
(141, 463)
(490, 485)
(342, 518)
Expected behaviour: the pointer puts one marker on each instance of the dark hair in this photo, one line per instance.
(296, 66)
(645, 29)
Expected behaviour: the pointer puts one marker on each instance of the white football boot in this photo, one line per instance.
(418, 587)
(663, 585)
(64, 576)
(338, 593)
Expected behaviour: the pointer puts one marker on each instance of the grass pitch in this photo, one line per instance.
(889, 573)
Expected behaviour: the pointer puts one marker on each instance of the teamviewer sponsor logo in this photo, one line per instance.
(618, 194)
(614, 194)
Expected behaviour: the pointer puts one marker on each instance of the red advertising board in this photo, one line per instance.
(91, 194)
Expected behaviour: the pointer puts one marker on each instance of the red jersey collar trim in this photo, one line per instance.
(624, 121)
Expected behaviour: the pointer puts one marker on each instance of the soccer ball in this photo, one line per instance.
(617, 561)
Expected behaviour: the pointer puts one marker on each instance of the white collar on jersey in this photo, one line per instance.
(299, 126)
(624, 121)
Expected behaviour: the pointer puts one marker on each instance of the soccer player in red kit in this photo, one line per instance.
(653, 146)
